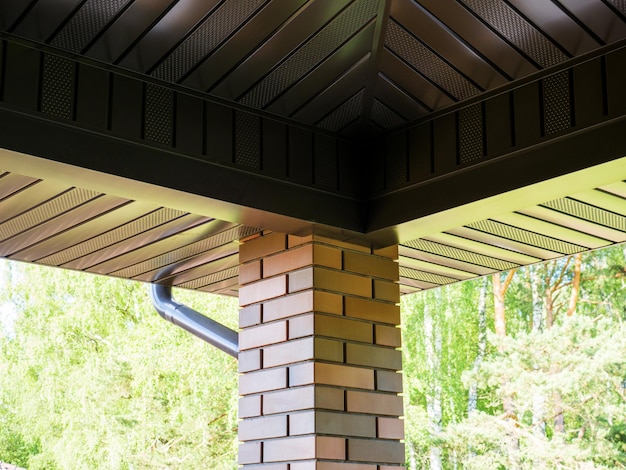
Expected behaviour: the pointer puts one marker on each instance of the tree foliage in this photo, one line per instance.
(93, 378)
(550, 386)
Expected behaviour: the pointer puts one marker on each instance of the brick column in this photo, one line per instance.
(319, 366)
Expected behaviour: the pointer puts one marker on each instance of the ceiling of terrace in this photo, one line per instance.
(351, 66)
(55, 223)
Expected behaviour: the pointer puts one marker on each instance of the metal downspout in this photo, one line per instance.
(194, 322)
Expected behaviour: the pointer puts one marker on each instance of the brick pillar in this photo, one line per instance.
(319, 366)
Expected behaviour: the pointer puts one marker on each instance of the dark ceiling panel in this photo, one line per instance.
(127, 28)
(216, 28)
(427, 63)
(398, 99)
(331, 98)
(278, 48)
(355, 51)
(619, 5)
(175, 24)
(484, 41)
(247, 40)
(597, 18)
(512, 26)
(11, 11)
(386, 117)
(416, 19)
(552, 21)
(45, 18)
(87, 23)
(315, 50)
(343, 115)
(425, 92)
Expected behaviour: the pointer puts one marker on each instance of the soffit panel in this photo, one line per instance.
(75, 228)
(283, 55)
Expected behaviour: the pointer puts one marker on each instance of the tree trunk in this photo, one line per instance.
(433, 395)
(499, 291)
(412, 459)
(573, 298)
(472, 402)
(537, 304)
(538, 398)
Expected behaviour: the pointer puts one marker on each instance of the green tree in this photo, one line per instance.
(555, 356)
(99, 380)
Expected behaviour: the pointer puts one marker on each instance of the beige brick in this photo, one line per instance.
(249, 316)
(374, 403)
(329, 398)
(388, 381)
(287, 306)
(302, 374)
(373, 356)
(304, 448)
(335, 327)
(303, 398)
(249, 360)
(328, 302)
(249, 406)
(302, 423)
(328, 350)
(262, 381)
(339, 281)
(388, 336)
(327, 256)
(371, 265)
(262, 428)
(330, 448)
(249, 452)
(262, 290)
(293, 399)
(369, 450)
(372, 310)
(387, 291)
(263, 335)
(390, 428)
(300, 280)
(302, 350)
(262, 246)
(326, 422)
(289, 352)
(288, 261)
(301, 326)
(250, 272)
(331, 374)
(344, 328)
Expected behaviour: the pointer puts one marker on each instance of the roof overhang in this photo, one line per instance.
(475, 146)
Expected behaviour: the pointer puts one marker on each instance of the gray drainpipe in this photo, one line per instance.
(194, 322)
